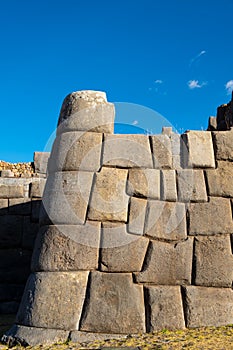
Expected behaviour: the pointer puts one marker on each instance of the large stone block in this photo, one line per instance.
(11, 191)
(14, 265)
(41, 162)
(144, 183)
(199, 152)
(109, 201)
(57, 300)
(168, 185)
(220, 180)
(11, 229)
(213, 261)
(167, 263)
(127, 151)
(67, 248)
(161, 150)
(76, 151)
(166, 309)
(120, 251)
(223, 141)
(176, 148)
(210, 218)
(37, 188)
(191, 186)
(137, 214)
(206, 307)
(20, 206)
(87, 110)
(66, 198)
(82, 337)
(166, 220)
(114, 304)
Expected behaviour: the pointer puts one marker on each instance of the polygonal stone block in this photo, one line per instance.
(67, 248)
(144, 183)
(206, 307)
(161, 150)
(57, 300)
(166, 220)
(11, 191)
(210, 218)
(120, 251)
(220, 180)
(109, 201)
(176, 147)
(166, 309)
(76, 151)
(127, 151)
(137, 214)
(168, 185)
(213, 261)
(167, 263)
(114, 304)
(41, 162)
(223, 141)
(191, 186)
(37, 188)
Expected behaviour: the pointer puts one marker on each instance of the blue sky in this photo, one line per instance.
(173, 56)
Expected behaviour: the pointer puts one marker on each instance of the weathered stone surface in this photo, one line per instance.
(14, 265)
(37, 188)
(191, 186)
(66, 198)
(20, 206)
(137, 213)
(121, 252)
(57, 300)
(223, 141)
(168, 185)
(213, 261)
(3, 206)
(212, 124)
(220, 180)
(210, 218)
(208, 306)
(41, 162)
(81, 337)
(11, 228)
(114, 305)
(11, 191)
(6, 173)
(34, 336)
(30, 230)
(109, 200)
(144, 183)
(67, 248)
(76, 151)
(161, 150)
(127, 151)
(87, 110)
(166, 310)
(176, 147)
(168, 263)
(36, 207)
(166, 220)
(200, 152)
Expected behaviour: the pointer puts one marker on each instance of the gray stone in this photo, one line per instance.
(109, 201)
(223, 141)
(166, 309)
(11, 191)
(191, 186)
(121, 252)
(20, 206)
(161, 150)
(66, 198)
(114, 305)
(57, 300)
(166, 220)
(176, 147)
(200, 152)
(36, 207)
(220, 180)
(83, 337)
(41, 161)
(168, 185)
(7, 173)
(3, 206)
(213, 261)
(76, 151)
(206, 307)
(210, 218)
(212, 124)
(37, 188)
(137, 213)
(127, 151)
(167, 263)
(11, 228)
(67, 248)
(14, 265)
(87, 110)
(30, 230)
(144, 183)
(34, 336)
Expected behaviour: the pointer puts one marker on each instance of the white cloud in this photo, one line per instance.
(229, 87)
(135, 122)
(195, 84)
(203, 52)
(158, 81)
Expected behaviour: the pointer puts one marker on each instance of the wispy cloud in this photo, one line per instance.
(158, 81)
(203, 52)
(195, 84)
(229, 87)
(135, 122)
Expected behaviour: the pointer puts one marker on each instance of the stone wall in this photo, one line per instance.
(135, 234)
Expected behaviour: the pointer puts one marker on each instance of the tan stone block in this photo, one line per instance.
(168, 185)
(223, 141)
(37, 188)
(191, 185)
(11, 191)
(220, 180)
(144, 182)
(161, 150)
(137, 213)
